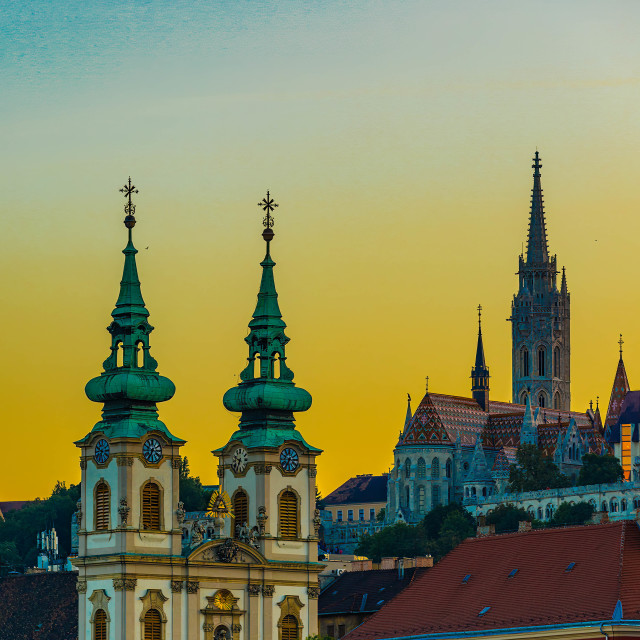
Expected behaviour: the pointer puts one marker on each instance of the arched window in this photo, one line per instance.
(240, 511)
(448, 468)
(256, 365)
(604, 507)
(541, 361)
(119, 354)
(435, 468)
(288, 515)
(556, 401)
(407, 468)
(548, 512)
(539, 513)
(406, 497)
(541, 401)
(289, 628)
(422, 468)
(100, 625)
(636, 503)
(614, 505)
(139, 354)
(623, 504)
(556, 362)
(151, 516)
(103, 506)
(276, 365)
(484, 492)
(466, 491)
(152, 625)
(435, 496)
(524, 362)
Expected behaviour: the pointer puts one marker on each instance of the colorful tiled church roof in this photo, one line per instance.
(526, 580)
(426, 426)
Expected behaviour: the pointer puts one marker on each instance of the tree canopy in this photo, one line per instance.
(567, 514)
(506, 517)
(535, 471)
(599, 470)
(192, 494)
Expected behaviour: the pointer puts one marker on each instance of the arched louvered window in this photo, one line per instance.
(524, 362)
(435, 468)
(151, 507)
(240, 510)
(422, 468)
(103, 506)
(100, 625)
(541, 362)
(288, 515)
(152, 625)
(290, 628)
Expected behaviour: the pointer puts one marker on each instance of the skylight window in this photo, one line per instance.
(379, 603)
(485, 610)
(513, 573)
(570, 567)
(466, 578)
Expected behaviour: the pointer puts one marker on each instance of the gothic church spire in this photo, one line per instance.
(537, 250)
(480, 372)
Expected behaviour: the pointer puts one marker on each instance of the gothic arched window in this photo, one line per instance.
(541, 400)
(103, 506)
(524, 362)
(556, 401)
(435, 496)
(100, 625)
(289, 629)
(152, 625)
(422, 468)
(240, 510)
(435, 468)
(541, 361)
(151, 507)
(407, 468)
(448, 468)
(556, 362)
(288, 515)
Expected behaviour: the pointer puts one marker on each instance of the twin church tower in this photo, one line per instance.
(254, 573)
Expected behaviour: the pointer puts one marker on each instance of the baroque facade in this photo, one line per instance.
(253, 573)
(454, 448)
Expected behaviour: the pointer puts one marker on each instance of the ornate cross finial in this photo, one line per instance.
(621, 342)
(408, 397)
(129, 208)
(268, 204)
(537, 165)
(597, 402)
(479, 315)
(427, 379)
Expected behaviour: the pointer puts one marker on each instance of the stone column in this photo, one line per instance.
(313, 593)
(254, 612)
(193, 609)
(176, 608)
(267, 611)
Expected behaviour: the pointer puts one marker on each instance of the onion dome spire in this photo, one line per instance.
(267, 396)
(537, 250)
(130, 386)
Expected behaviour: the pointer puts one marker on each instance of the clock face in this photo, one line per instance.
(152, 450)
(101, 453)
(289, 459)
(239, 460)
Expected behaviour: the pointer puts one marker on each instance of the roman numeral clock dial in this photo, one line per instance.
(239, 460)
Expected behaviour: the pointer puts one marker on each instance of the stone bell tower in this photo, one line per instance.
(128, 527)
(267, 467)
(540, 318)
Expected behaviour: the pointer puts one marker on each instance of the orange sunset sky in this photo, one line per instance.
(397, 138)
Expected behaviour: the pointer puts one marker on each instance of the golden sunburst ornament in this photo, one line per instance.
(220, 505)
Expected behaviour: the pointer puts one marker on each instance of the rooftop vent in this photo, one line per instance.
(379, 603)
(364, 602)
(485, 610)
(466, 578)
(513, 573)
(570, 567)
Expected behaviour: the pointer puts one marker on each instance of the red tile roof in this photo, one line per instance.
(542, 592)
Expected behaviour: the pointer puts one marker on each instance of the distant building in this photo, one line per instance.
(12, 505)
(576, 582)
(352, 510)
(355, 595)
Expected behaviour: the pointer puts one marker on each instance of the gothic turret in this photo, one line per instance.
(540, 317)
(618, 392)
(480, 371)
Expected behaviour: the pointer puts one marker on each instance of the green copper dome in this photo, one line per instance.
(130, 386)
(267, 396)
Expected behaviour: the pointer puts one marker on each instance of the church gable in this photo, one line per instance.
(426, 426)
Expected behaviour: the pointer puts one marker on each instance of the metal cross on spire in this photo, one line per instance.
(129, 207)
(621, 342)
(479, 316)
(427, 379)
(268, 204)
(537, 165)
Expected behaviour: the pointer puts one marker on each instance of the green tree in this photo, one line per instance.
(572, 514)
(194, 496)
(319, 499)
(381, 515)
(599, 470)
(506, 517)
(456, 527)
(397, 540)
(435, 519)
(9, 556)
(535, 471)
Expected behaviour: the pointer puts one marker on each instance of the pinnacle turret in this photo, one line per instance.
(619, 390)
(480, 372)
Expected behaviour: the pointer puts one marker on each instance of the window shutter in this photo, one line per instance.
(100, 625)
(288, 515)
(289, 628)
(152, 625)
(151, 506)
(103, 499)
(240, 510)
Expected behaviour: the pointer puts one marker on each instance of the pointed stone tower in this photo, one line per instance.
(619, 390)
(480, 371)
(130, 463)
(269, 470)
(540, 318)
